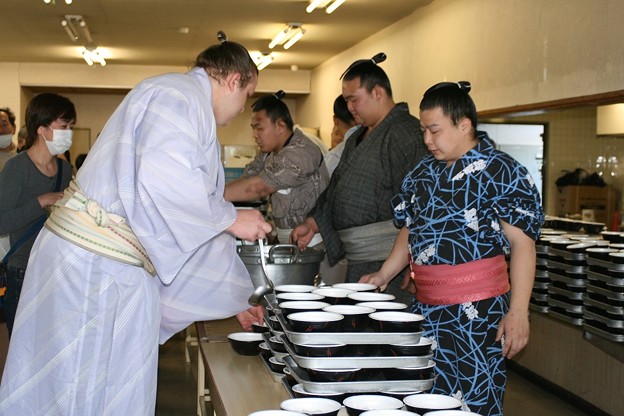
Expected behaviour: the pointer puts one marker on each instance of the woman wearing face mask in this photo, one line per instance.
(32, 181)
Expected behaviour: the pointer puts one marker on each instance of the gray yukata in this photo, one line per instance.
(369, 174)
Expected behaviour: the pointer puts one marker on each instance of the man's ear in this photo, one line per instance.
(280, 124)
(465, 125)
(232, 81)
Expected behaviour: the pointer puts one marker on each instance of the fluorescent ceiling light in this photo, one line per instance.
(287, 36)
(91, 55)
(334, 6)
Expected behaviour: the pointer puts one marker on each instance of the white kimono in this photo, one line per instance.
(85, 340)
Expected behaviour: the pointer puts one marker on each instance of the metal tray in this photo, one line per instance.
(347, 337)
(613, 281)
(371, 386)
(568, 294)
(566, 267)
(357, 362)
(604, 263)
(604, 292)
(540, 285)
(569, 281)
(277, 377)
(568, 255)
(277, 354)
(565, 318)
(538, 308)
(587, 326)
(539, 297)
(614, 310)
(611, 323)
(568, 308)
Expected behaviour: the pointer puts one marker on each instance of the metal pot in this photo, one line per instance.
(284, 262)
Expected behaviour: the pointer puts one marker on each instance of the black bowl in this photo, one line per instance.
(356, 405)
(299, 391)
(384, 306)
(320, 350)
(593, 227)
(389, 321)
(260, 328)
(276, 344)
(276, 365)
(356, 318)
(245, 343)
(301, 306)
(333, 296)
(423, 347)
(617, 257)
(361, 350)
(314, 321)
(399, 394)
(600, 253)
(425, 402)
(333, 375)
(410, 373)
(312, 406)
(275, 324)
(613, 236)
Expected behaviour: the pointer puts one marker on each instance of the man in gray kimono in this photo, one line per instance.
(289, 169)
(354, 215)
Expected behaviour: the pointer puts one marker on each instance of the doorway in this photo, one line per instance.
(523, 142)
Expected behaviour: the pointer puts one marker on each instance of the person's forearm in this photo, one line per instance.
(522, 275)
(398, 258)
(247, 189)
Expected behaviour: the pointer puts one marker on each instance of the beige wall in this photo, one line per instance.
(514, 52)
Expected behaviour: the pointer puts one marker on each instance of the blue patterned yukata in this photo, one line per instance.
(453, 216)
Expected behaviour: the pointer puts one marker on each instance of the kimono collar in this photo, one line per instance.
(481, 150)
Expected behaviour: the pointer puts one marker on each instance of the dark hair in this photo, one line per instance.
(9, 114)
(43, 109)
(369, 73)
(341, 111)
(80, 160)
(453, 99)
(225, 58)
(275, 108)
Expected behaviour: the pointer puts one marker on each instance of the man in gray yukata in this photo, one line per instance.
(289, 169)
(354, 215)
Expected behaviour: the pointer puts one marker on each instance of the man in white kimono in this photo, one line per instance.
(94, 305)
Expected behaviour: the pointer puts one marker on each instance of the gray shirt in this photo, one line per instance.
(20, 185)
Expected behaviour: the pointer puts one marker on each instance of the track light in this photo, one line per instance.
(91, 55)
(69, 29)
(261, 59)
(86, 31)
(329, 5)
(288, 36)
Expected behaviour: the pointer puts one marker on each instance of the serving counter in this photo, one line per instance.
(237, 385)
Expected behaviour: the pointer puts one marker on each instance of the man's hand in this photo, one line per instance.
(249, 225)
(255, 314)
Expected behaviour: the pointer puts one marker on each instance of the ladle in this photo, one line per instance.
(259, 293)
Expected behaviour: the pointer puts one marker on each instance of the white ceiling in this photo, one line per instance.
(146, 32)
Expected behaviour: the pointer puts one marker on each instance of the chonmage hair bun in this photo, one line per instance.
(379, 58)
(280, 94)
(464, 86)
(221, 36)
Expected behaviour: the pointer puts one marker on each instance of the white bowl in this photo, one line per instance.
(358, 287)
(330, 292)
(295, 288)
(384, 306)
(311, 405)
(372, 402)
(371, 297)
(450, 413)
(348, 309)
(431, 402)
(290, 296)
(276, 413)
(392, 412)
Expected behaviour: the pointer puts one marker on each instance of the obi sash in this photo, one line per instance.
(85, 223)
(370, 242)
(455, 284)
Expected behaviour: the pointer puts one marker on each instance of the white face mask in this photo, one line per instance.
(5, 140)
(61, 141)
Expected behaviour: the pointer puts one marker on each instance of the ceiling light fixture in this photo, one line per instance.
(287, 36)
(329, 5)
(92, 56)
(261, 59)
(71, 23)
